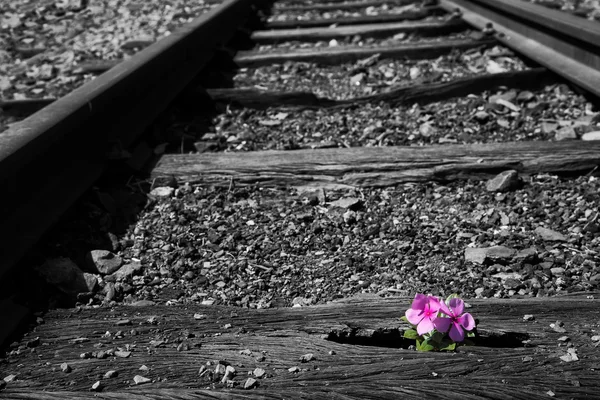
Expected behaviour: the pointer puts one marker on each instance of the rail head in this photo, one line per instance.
(118, 87)
(563, 43)
(49, 159)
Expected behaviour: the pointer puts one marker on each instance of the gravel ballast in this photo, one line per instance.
(259, 248)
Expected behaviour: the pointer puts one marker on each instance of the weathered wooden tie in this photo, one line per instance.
(420, 93)
(363, 30)
(380, 166)
(342, 54)
(357, 348)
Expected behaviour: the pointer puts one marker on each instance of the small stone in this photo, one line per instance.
(527, 359)
(528, 317)
(481, 116)
(550, 235)
(557, 271)
(595, 135)
(122, 354)
(123, 322)
(528, 254)
(563, 339)
(220, 369)
(66, 368)
(250, 383)
(127, 271)
(332, 352)
(565, 133)
(111, 374)
(301, 302)
(97, 387)
(260, 358)
(144, 368)
(162, 191)
(504, 182)
(550, 393)
(294, 370)
(103, 262)
(140, 380)
(259, 372)
(570, 356)
(495, 254)
(558, 327)
(350, 203)
(10, 378)
(86, 355)
(357, 79)
(307, 357)
(91, 282)
(142, 303)
(246, 352)
(596, 338)
(199, 316)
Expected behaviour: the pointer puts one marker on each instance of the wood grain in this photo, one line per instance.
(363, 30)
(380, 166)
(420, 93)
(338, 55)
(368, 358)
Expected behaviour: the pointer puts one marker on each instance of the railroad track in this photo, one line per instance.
(51, 158)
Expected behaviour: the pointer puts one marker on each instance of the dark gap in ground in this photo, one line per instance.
(393, 338)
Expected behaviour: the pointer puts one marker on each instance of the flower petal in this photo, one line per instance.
(457, 306)
(442, 324)
(414, 316)
(444, 308)
(434, 303)
(456, 332)
(419, 302)
(425, 326)
(467, 321)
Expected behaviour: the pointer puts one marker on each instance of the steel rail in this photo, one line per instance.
(49, 159)
(561, 42)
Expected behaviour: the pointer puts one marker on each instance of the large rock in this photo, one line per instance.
(504, 181)
(489, 254)
(103, 262)
(549, 235)
(65, 275)
(127, 270)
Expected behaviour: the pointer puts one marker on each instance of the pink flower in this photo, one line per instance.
(456, 321)
(423, 312)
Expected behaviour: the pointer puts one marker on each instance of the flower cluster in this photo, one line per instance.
(440, 325)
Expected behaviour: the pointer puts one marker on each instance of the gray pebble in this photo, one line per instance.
(250, 383)
(111, 374)
(140, 380)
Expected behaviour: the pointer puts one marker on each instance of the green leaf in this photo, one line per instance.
(424, 346)
(452, 296)
(403, 318)
(437, 337)
(470, 334)
(448, 346)
(411, 334)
